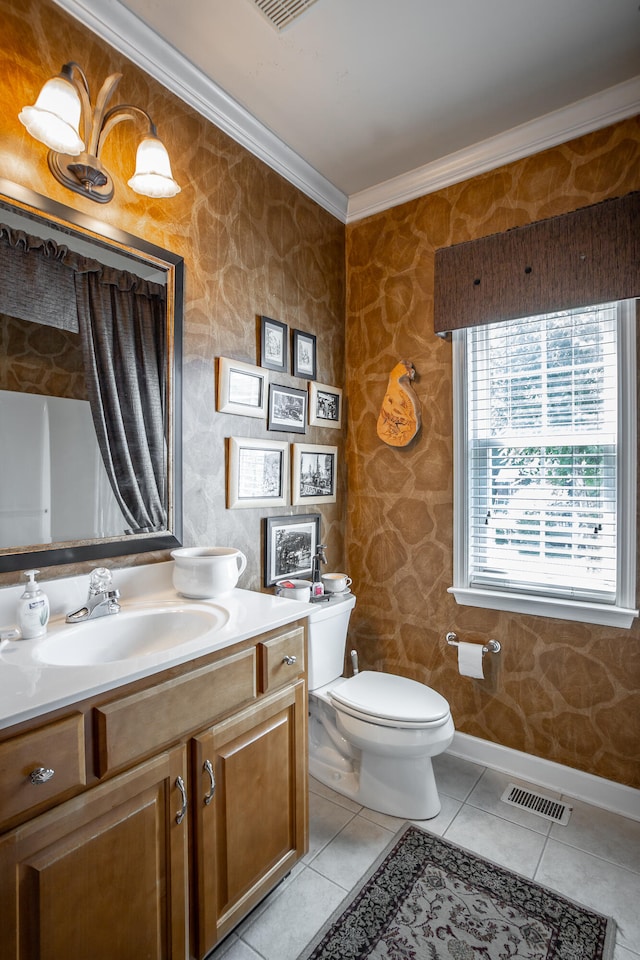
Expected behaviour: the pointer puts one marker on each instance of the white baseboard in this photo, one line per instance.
(607, 794)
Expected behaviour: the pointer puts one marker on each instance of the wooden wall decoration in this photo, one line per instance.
(399, 419)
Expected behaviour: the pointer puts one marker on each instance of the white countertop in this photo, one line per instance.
(30, 687)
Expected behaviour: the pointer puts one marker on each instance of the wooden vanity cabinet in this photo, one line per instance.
(102, 876)
(126, 868)
(254, 762)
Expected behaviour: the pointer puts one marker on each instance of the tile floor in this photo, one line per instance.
(595, 859)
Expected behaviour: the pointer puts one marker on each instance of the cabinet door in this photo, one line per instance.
(102, 876)
(251, 813)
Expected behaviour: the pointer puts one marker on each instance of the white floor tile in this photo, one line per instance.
(603, 886)
(234, 949)
(604, 834)
(500, 841)
(455, 777)
(324, 791)
(352, 852)
(326, 820)
(621, 953)
(282, 931)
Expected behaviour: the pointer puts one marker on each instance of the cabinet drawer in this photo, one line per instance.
(57, 746)
(276, 656)
(145, 722)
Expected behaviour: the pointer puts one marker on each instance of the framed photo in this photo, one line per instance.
(242, 388)
(325, 406)
(314, 474)
(257, 472)
(287, 409)
(274, 344)
(289, 546)
(303, 350)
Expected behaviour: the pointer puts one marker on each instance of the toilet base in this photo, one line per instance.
(399, 787)
(400, 796)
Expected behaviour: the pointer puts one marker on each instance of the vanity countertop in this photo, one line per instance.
(30, 688)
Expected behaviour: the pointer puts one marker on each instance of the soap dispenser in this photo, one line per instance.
(33, 609)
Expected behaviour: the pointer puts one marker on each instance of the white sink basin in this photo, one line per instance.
(129, 634)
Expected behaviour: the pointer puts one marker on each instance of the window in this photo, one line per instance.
(545, 465)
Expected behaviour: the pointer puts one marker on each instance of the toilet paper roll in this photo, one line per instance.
(470, 660)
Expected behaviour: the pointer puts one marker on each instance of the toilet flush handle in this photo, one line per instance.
(354, 662)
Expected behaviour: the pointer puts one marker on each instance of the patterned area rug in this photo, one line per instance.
(426, 899)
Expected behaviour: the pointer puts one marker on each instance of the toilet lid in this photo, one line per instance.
(390, 697)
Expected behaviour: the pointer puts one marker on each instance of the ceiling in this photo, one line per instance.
(364, 103)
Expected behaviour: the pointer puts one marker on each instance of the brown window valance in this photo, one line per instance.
(589, 256)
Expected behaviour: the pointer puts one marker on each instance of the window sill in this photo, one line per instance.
(603, 614)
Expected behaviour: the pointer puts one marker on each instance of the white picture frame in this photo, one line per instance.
(257, 473)
(314, 474)
(242, 388)
(325, 405)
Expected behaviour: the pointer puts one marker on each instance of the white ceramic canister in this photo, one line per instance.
(205, 572)
(294, 589)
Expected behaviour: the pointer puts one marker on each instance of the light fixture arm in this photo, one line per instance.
(115, 115)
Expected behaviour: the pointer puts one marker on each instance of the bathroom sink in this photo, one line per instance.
(129, 634)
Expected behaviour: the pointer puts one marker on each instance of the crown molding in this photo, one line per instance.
(113, 22)
(585, 116)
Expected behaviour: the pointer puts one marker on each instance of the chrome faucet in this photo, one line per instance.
(102, 600)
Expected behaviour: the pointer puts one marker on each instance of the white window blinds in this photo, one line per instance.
(542, 496)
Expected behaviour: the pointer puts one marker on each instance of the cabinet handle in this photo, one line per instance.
(180, 815)
(41, 775)
(207, 768)
(289, 660)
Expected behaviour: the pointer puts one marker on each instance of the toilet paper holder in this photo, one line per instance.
(491, 646)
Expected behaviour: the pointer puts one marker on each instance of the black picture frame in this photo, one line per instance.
(289, 546)
(287, 409)
(273, 344)
(303, 355)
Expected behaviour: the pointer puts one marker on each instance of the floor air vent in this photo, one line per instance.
(537, 803)
(281, 13)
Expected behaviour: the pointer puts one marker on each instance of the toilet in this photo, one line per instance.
(371, 736)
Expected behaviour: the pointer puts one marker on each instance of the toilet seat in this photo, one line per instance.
(390, 700)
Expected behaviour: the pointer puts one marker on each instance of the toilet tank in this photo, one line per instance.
(328, 624)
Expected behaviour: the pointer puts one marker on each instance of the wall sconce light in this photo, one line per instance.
(63, 107)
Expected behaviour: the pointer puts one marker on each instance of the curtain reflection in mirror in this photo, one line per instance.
(121, 321)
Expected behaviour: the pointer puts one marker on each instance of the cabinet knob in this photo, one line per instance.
(208, 769)
(289, 660)
(180, 815)
(41, 775)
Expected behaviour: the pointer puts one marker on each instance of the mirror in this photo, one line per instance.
(90, 387)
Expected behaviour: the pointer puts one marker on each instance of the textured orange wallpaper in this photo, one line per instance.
(252, 244)
(567, 692)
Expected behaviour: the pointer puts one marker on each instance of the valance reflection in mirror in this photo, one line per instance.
(90, 329)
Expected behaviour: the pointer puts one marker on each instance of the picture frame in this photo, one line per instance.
(325, 406)
(314, 473)
(242, 388)
(289, 545)
(303, 355)
(257, 473)
(273, 344)
(287, 409)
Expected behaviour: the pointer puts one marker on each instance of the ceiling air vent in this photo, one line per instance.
(281, 13)
(537, 803)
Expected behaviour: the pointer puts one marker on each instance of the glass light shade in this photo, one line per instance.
(153, 177)
(55, 117)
